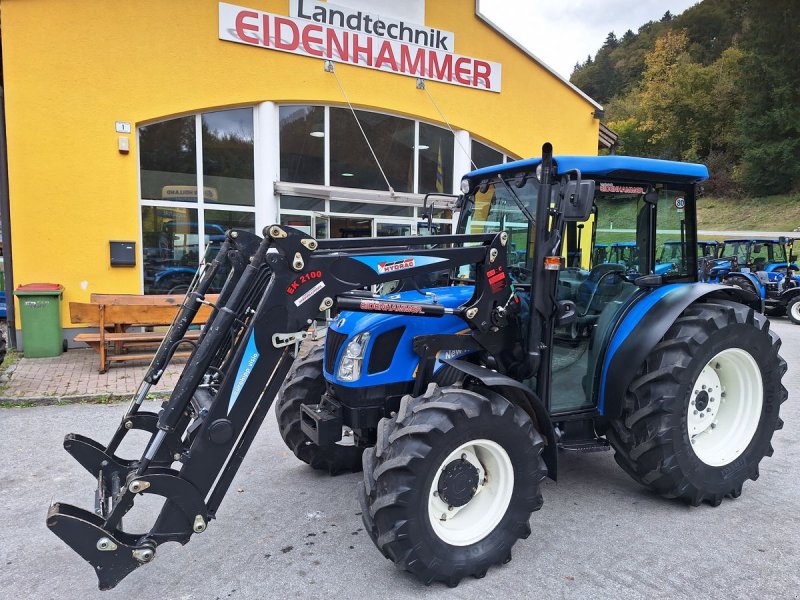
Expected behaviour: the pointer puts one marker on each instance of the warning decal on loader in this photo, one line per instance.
(245, 368)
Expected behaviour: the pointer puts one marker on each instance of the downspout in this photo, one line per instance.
(5, 223)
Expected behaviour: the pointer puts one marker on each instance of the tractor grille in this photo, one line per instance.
(333, 343)
(383, 350)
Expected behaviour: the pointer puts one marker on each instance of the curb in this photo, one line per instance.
(31, 401)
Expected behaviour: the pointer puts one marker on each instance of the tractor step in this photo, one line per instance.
(585, 446)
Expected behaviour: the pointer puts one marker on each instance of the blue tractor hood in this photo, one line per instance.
(393, 335)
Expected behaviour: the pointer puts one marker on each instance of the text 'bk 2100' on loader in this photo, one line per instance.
(455, 398)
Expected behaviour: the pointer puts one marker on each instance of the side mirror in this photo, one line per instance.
(578, 199)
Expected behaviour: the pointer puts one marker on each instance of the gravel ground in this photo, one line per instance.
(287, 532)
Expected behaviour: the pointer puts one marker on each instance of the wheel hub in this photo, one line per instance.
(458, 482)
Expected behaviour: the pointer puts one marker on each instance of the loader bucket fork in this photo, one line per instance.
(275, 288)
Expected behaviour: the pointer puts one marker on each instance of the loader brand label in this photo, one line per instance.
(397, 265)
(245, 368)
(610, 188)
(309, 294)
(340, 34)
(395, 307)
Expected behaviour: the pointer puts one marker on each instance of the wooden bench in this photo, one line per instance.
(114, 314)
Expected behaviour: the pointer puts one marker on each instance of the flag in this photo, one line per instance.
(440, 171)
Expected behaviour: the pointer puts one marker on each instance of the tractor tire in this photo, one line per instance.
(305, 384)
(793, 310)
(428, 462)
(741, 282)
(700, 414)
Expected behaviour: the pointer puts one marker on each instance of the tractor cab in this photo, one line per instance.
(639, 205)
(759, 254)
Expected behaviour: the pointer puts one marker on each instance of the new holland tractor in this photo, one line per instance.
(764, 267)
(455, 400)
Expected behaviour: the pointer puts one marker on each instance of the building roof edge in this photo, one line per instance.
(538, 60)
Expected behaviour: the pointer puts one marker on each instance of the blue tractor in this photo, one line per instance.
(671, 255)
(766, 268)
(456, 399)
(680, 378)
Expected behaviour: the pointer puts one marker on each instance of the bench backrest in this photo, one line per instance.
(131, 314)
(138, 300)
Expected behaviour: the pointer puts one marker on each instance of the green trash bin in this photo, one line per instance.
(40, 314)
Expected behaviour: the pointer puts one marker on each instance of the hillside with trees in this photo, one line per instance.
(718, 84)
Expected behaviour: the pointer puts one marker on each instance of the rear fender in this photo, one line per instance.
(643, 327)
(521, 395)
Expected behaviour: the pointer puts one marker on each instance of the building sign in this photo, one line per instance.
(340, 34)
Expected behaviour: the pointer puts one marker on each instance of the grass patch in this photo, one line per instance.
(769, 213)
(12, 358)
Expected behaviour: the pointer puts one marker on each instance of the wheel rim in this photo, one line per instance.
(795, 311)
(725, 407)
(482, 512)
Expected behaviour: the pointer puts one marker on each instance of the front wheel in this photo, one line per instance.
(451, 483)
(701, 414)
(305, 384)
(793, 310)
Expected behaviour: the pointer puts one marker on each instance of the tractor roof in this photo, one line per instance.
(753, 241)
(626, 168)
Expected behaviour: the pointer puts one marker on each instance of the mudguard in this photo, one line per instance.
(520, 394)
(643, 326)
(752, 278)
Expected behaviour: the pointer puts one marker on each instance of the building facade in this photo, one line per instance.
(148, 123)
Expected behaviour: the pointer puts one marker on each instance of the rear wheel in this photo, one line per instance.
(451, 483)
(305, 384)
(701, 413)
(793, 310)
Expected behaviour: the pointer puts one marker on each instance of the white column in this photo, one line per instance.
(267, 155)
(461, 159)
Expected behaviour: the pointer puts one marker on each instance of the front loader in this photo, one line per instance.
(455, 400)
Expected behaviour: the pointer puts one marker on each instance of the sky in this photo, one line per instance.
(564, 32)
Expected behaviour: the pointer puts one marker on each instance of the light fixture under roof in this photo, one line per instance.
(422, 147)
(317, 134)
(347, 175)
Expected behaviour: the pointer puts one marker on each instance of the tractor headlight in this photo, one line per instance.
(353, 357)
(465, 186)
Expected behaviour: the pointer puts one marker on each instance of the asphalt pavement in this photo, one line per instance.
(285, 531)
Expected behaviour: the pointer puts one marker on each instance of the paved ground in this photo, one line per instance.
(75, 375)
(287, 532)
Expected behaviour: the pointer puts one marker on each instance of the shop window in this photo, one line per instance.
(364, 208)
(435, 159)
(352, 163)
(301, 222)
(484, 156)
(302, 203)
(168, 163)
(219, 221)
(302, 144)
(228, 160)
(171, 248)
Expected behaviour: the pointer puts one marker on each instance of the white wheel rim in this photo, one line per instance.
(470, 523)
(725, 407)
(795, 311)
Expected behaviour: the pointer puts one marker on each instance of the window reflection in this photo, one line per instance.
(352, 163)
(228, 161)
(168, 163)
(171, 248)
(435, 159)
(484, 156)
(302, 144)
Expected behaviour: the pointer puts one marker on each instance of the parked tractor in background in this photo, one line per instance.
(455, 400)
(766, 268)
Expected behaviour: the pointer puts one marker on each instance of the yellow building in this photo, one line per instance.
(335, 117)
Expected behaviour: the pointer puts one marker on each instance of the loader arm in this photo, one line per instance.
(233, 375)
